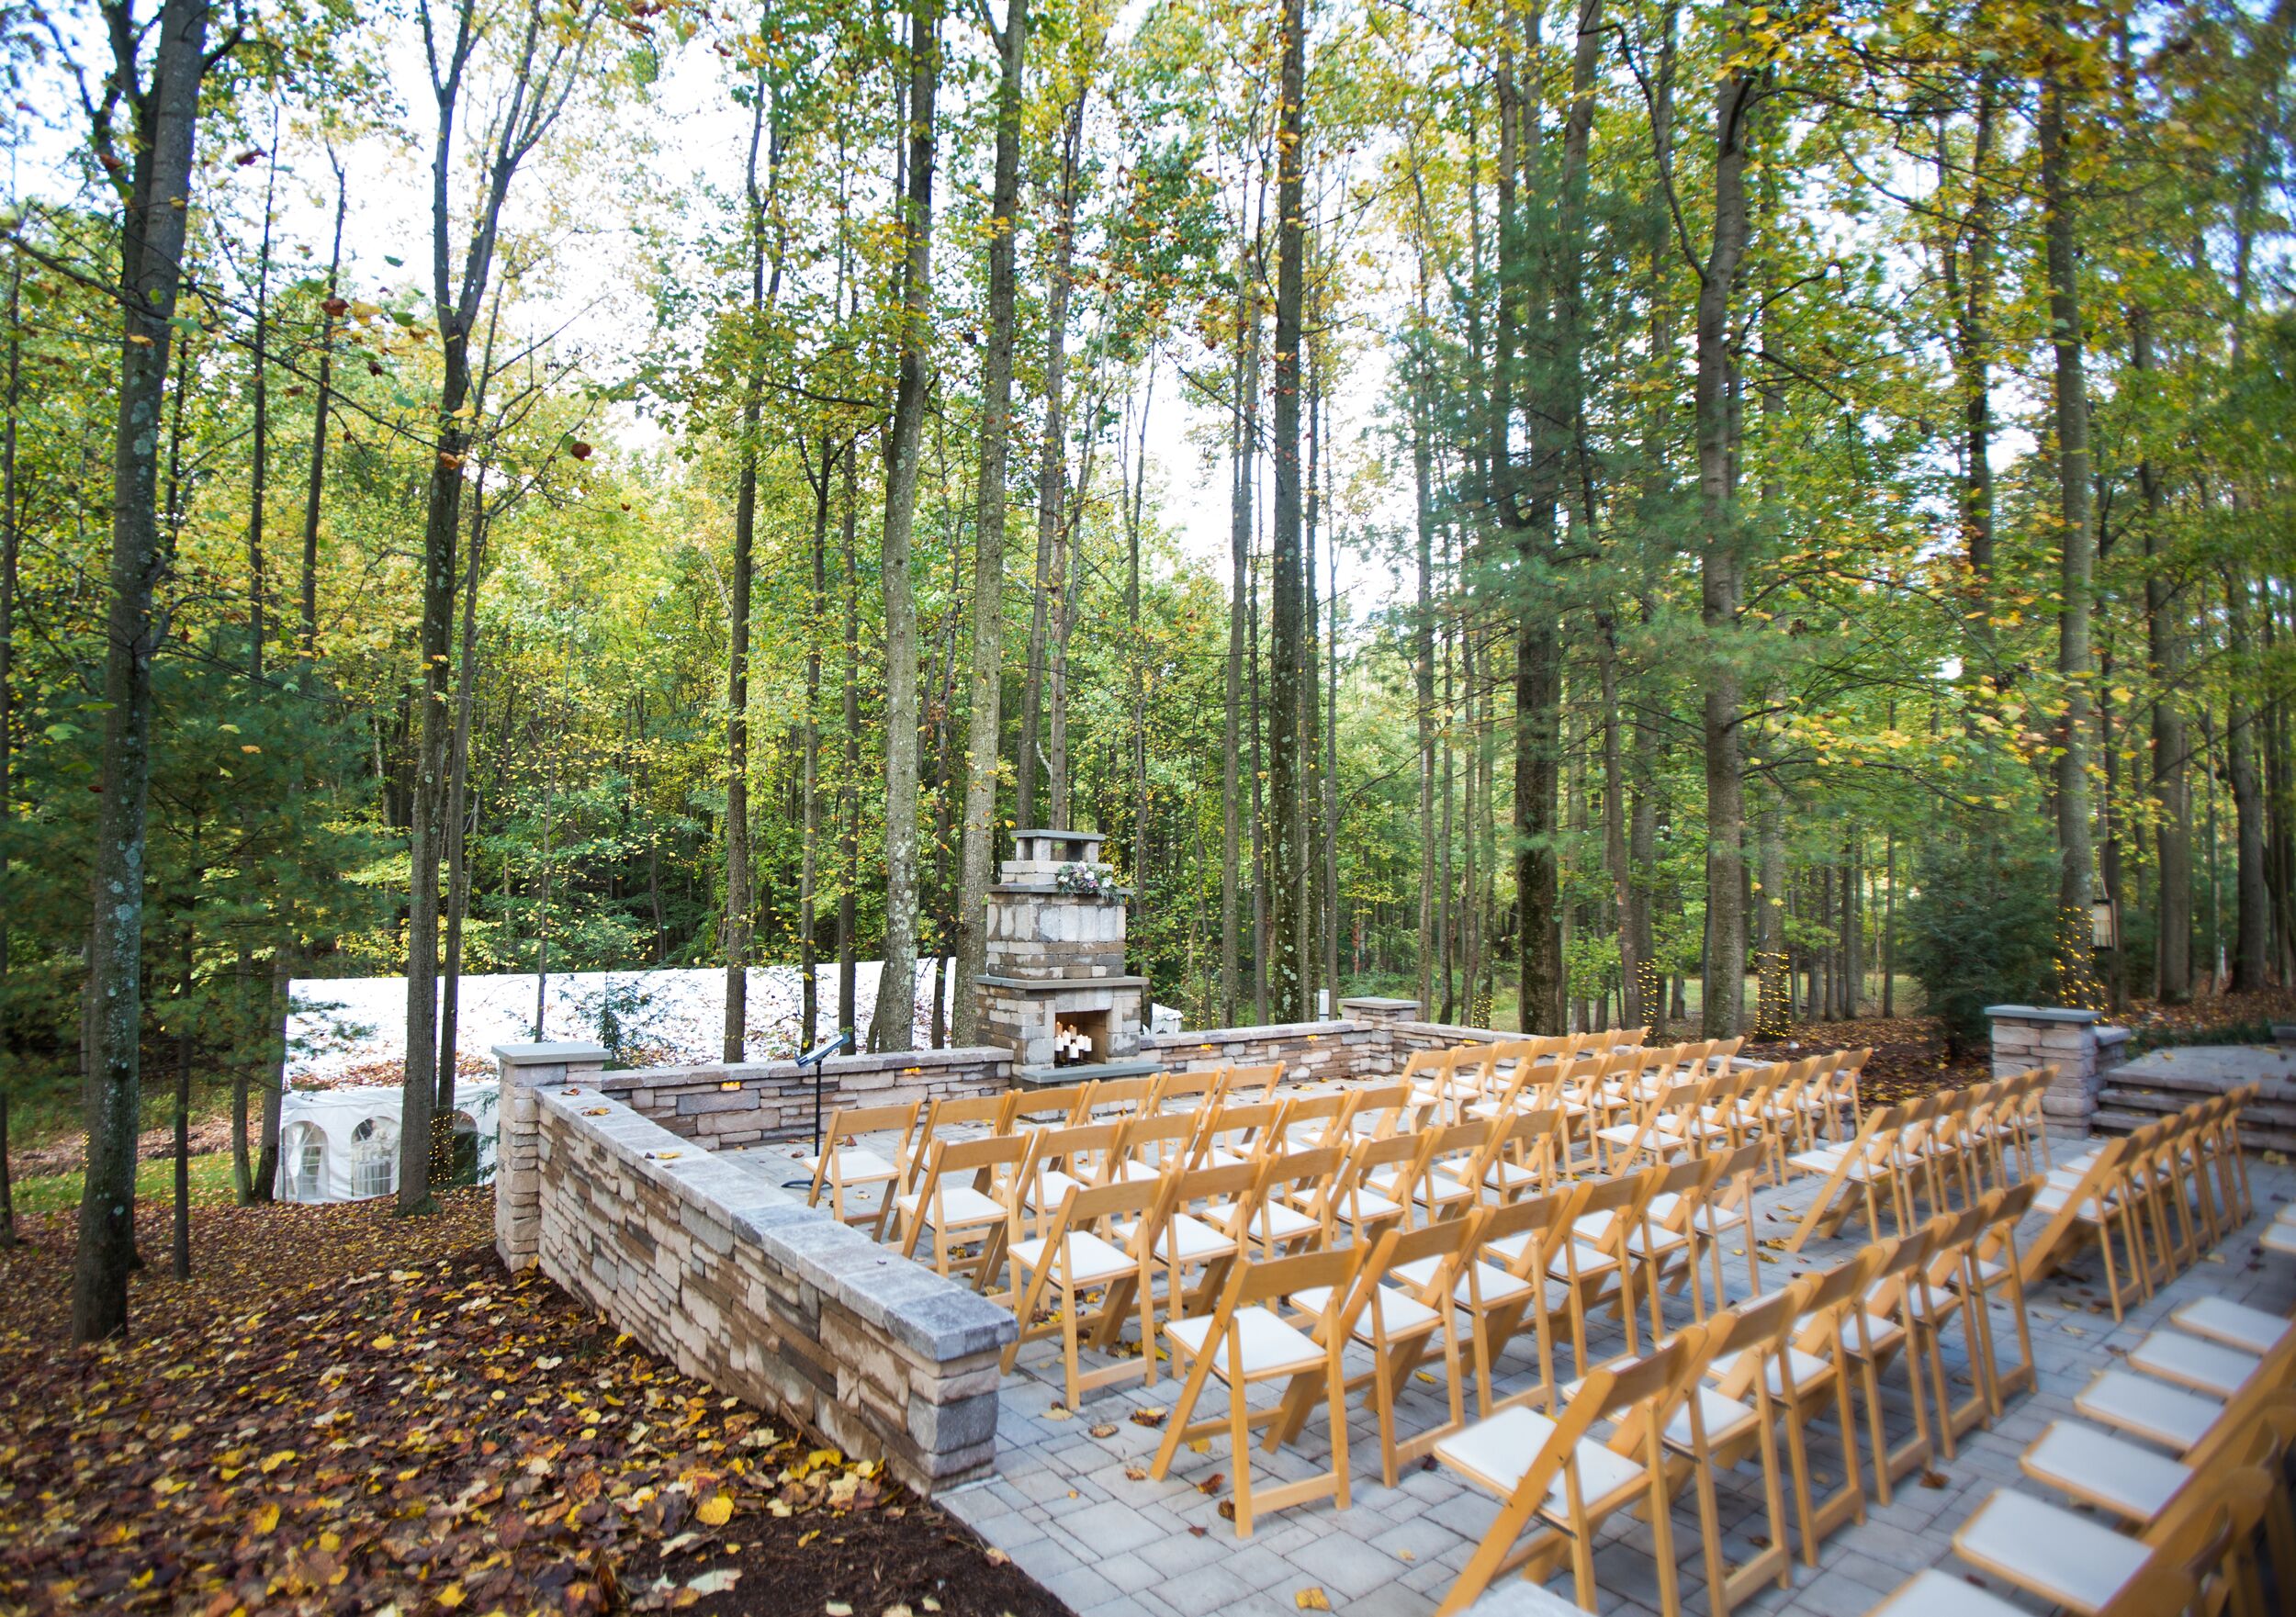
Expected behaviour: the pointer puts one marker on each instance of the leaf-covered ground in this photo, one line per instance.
(347, 1411)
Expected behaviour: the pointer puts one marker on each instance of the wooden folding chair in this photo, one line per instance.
(1049, 1108)
(1881, 1329)
(1726, 1213)
(1438, 1181)
(1188, 1088)
(1119, 1098)
(1238, 1133)
(1518, 1158)
(2085, 1566)
(1809, 1378)
(1553, 1473)
(1661, 1246)
(1938, 1295)
(1717, 1429)
(1070, 1259)
(1060, 1160)
(1242, 1342)
(2083, 1204)
(1593, 1265)
(1155, 1143)
(957, 1214)
(1253, 1084)
(1397, 1159)
(1380, 1109)
(1287, 1201)
(1398, 1309)
(1504, 1288)
(1993, 1267)
(1313, 1120)
(845, 1165)
(1864, 1166)
(1209, 1242)
(1674, 1126)
(991, 1114)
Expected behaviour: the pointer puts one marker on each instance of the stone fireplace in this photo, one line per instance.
(1054, 974)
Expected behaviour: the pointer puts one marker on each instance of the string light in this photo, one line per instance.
(2078, 986)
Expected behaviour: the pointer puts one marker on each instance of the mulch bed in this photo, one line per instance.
(347, 1411)
(1908, 1058)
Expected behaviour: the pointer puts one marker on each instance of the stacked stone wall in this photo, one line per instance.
(727, 1106)
(742, 1285)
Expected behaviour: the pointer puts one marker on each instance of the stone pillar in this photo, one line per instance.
(517, 1164)
(1379, 1015)
(2076, 1043)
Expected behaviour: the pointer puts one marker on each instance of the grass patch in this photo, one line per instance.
(156, 1182)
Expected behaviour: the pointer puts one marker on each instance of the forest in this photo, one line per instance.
(1598, 514)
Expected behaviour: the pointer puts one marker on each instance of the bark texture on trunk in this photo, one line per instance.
(152, 219)
(1287, 841)
(986, 685)
(895, 1024)
(1721, 585)
(2077, 537)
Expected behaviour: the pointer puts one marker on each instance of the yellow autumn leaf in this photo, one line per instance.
(266, 1519)
(451, 1596)
(1310, 1600)
(714, 1512)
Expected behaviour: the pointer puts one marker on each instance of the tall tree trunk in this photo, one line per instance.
(2078, 531)
(10, 543)
(1969, 284)
(1286, 850)
(1138, 658)
(2252, 897)
(1052, 475)
(985, 687)
(848, 782)
(544, 66)
(896, 986)
(330, 310)
(765, 129)
(1720, 586)
(1242, 469)
(809, 853)
(1423, 639)
(179, 1245)
(153, 219)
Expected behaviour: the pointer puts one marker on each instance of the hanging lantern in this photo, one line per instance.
(2104, 923)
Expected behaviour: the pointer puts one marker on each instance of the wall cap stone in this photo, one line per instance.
(2043, 1013)
(549, 1054)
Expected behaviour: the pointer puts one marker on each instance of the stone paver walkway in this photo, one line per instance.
(1072, 1504)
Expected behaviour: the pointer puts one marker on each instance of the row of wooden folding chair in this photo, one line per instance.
(2150, 1200)
(1922, 1148)
(2182, 1529)
(1716, 1394)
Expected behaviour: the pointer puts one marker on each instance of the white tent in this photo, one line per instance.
(338, 1145)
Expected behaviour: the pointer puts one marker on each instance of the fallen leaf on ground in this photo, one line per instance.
(1310, 1600)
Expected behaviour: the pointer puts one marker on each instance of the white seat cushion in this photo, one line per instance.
(1495, 1285)
(1725, 1419)
(1590, 1261)
(1506, 1175)
(2255, 1331)
(2093, 1465)
(1808, 1370)
(2205, 1367)
(2278, 1238)
(1941, 1594)
(2055, 1554)
(1277, 1220)
(852, 1165)
(1048, 1189)
(1402, 1315)
(1498, 1452)
(1190, 1237)
(1881, 1334)
(961, 1207)
(1270, 1346)
(2170, 1416)
(1091, 1261)
(1710, 1219)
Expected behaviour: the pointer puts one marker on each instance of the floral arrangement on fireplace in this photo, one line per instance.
(1085, 881)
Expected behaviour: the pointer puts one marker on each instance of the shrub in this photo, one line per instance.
(1980, 928)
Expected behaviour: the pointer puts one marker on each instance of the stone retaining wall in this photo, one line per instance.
(727, 1106)
(2078, 1043)
(740, 1283)
(1311, 1052)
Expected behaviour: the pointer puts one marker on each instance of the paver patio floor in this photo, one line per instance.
(1072, 1504)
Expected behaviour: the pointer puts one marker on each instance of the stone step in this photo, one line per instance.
(2125, 1110)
